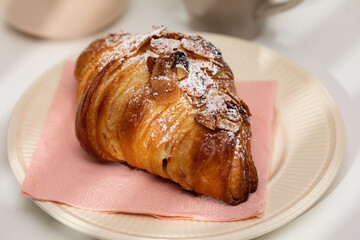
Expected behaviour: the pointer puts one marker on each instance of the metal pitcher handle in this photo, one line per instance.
(269, 9)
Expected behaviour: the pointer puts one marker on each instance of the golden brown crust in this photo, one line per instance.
(165, 102)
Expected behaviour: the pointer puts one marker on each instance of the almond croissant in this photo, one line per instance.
(165, 102)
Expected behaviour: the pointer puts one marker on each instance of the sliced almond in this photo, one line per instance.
(164, 91)
(181, 73)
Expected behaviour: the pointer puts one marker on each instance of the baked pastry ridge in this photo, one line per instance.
(165, 102)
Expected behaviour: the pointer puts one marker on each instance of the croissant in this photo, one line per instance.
(165, 102)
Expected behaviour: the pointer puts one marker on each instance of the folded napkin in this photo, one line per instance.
(62, 172)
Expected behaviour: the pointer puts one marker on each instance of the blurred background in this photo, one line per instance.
(322, 36)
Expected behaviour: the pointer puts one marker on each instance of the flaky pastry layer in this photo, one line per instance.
(165, 102)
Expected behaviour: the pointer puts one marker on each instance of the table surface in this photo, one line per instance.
(322, 36)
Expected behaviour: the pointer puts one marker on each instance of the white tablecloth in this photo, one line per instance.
(322, 36)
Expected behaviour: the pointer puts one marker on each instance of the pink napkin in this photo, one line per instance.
(62, 172)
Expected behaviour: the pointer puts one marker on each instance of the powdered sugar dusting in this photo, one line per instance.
(161, 126)
(214, 103)
(200, 46)
(197, 81)
(164, 46)
(124, 45)
(168, 134)
(197, 64)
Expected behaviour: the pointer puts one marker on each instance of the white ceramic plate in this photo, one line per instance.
(307, 151)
